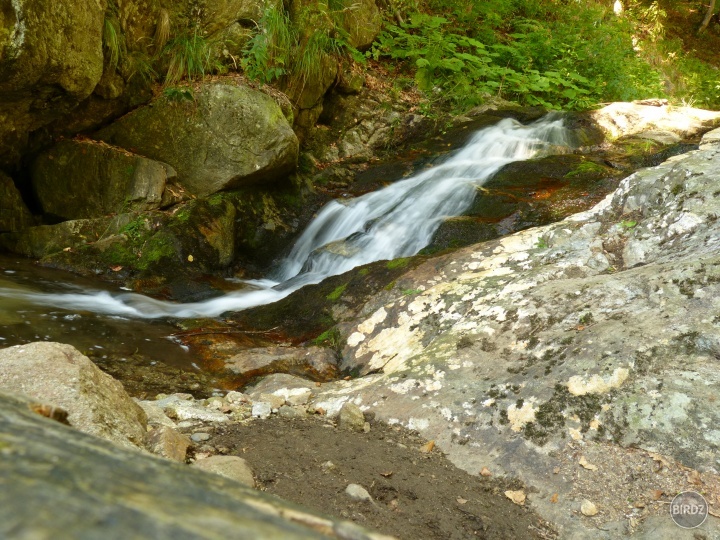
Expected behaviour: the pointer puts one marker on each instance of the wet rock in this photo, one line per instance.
(103, 179)
(164, 441)
(315, 362)
(231, 467)
(99, 505)
(358, 493)
(58, 374)
(351, 417)
(226, 137)
(44, 240)
(14, 215)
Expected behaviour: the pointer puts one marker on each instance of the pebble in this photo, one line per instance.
(351, 417)
(588, 508)
(274, 400)
(288, 412)
(261, 409)
(232, 467)
(200, 437)
(358, 493)
(237, 397)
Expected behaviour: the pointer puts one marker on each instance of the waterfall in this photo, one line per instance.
(396, 221)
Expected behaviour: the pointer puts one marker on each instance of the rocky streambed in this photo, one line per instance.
(565, 371)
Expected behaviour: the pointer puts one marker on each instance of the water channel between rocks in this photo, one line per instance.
(399, 220)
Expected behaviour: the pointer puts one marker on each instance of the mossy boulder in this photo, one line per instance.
(226, 137)
(362, 21)
(14, 215)
(50, 53)
(102, 180)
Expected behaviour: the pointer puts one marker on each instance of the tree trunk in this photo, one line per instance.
(707, 18)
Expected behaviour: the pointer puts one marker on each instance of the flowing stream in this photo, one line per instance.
(396, 221)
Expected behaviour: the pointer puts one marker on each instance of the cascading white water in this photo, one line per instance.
(396, 221)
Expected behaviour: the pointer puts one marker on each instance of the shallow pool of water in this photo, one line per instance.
(24, 322)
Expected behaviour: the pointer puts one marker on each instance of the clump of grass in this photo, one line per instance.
(162, 29)
(113, 41)
(189, 56)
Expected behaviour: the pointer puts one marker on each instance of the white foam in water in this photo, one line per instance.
(397, 221)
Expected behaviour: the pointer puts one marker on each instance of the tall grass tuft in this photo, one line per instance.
(189, 55)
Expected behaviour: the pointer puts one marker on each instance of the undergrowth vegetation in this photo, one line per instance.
(296, 50)
(558, 54)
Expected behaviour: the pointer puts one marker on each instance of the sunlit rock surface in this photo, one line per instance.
(598, 331)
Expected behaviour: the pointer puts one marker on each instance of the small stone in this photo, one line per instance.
(351, 417)
(358, 493)
(288, 412)
(200, 437)
(427, 447)
(328, 466)
(589, 466)
(232, 467)
(168, 443)
(274, 400)
(588, 508)
(518, 497)
(236, 397)
(485, 472)
(366, 427)
(261, 409)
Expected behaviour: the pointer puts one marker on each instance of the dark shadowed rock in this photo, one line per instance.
(102, 179)
(14, 215)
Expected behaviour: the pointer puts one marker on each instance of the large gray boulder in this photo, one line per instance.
(595, 338)
(67, 485)
(59, 375)
(226, 137)
(50, 53)
(102, 180)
